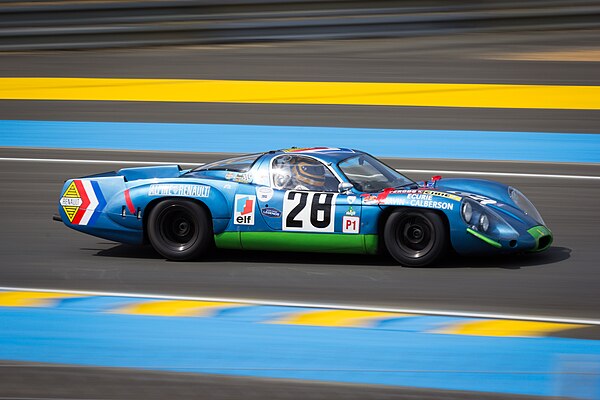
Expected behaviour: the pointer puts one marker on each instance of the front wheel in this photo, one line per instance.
(179, 229)
(415, 238)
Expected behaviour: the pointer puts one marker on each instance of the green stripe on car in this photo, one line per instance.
(296, 241)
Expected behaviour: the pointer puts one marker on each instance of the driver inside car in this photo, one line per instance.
(299, 173)
(308, 175)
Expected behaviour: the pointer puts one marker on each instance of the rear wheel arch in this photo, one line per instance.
(179, 228)
(154, 203)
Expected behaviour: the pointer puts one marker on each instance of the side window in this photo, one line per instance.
(295, 172)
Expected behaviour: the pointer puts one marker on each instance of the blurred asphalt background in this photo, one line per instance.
(561, 282)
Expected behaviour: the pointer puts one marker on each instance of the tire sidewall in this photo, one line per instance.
(440, 237)
(203, 230)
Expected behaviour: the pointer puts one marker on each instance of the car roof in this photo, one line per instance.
(328, 154)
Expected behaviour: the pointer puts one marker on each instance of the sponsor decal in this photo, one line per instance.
(264, 193)
(369, 198)
(423, 199)
(414, 197)
(351, 199)
(379, 199)
(83, 202)
(395, 201)
(243, 178)
(229, 175)
(309, 149)
(445, 195)
(176, 189)
(308, 211)
(441, 205)
(477, 197)
(351, 212)
(270, 212)
(243, 209)
(350, 224)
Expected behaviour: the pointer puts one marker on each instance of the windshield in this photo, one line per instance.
(237, 164)
(368, 174)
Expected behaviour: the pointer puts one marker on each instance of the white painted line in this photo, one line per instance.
(409, 171)
(516, 174)
(74, 161)
(317, 305)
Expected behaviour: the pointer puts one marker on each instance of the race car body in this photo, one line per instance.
(313, 199)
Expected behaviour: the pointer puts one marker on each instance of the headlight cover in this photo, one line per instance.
(467, 211)
(525, 205)
(484, 220)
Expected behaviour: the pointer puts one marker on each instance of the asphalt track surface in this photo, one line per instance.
(563, 282)
(39, 381)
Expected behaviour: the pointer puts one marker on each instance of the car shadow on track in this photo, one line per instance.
(509, 261)
(551, 256)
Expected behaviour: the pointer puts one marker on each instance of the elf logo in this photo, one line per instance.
(244, 209)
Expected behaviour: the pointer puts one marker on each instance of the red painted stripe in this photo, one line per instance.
(85, 202)
(129, 202)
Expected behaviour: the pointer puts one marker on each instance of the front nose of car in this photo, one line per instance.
(542, 236)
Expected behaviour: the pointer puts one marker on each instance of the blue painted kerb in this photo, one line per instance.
(403, 143)
(224, 346)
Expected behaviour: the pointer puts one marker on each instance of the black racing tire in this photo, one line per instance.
(179, 229)
(415, 237)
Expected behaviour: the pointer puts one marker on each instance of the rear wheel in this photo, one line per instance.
(415, 238)
(179, 229)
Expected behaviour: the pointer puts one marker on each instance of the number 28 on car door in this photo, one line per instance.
(309, 211)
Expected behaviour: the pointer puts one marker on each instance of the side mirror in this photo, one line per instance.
(345, 187)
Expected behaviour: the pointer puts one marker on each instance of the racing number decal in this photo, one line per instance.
(290, 219)
(320, 213)
(308, 212)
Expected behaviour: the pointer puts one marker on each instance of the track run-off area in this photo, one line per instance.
(508, 326)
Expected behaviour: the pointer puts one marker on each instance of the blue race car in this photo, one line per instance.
(318, 199)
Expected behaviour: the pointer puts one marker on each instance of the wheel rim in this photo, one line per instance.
(415, 235)
(177, 228)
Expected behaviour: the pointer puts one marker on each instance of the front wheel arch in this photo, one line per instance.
(444, 228)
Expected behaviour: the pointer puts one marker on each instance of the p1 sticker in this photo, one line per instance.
(350, 224)
(243, 209)
(83, 202)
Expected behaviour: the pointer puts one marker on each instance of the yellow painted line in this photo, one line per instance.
(176, 308)
(31, 299)
(507, 328)
(343, 318)
(277, 92)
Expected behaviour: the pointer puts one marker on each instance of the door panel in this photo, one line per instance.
(309, 221)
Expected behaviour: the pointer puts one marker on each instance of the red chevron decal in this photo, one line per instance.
(85, 202)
